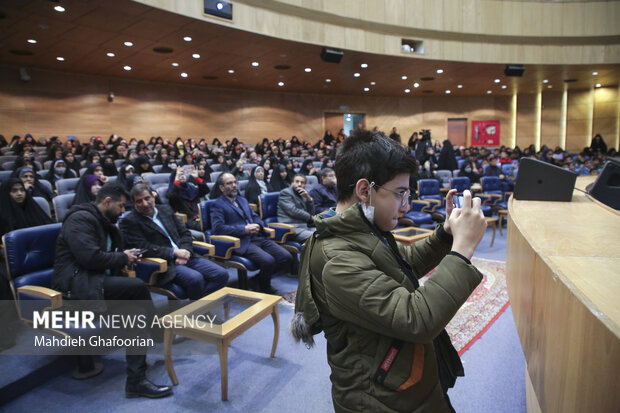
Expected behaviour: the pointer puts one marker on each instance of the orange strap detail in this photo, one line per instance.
(416, 367)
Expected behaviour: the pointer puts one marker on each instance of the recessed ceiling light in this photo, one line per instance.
(504, 86)
(175, 64)
(308, 70)
(187, 39)
(128, 44)
(416, 84)
(459, 86)
(594, 73)
(448, 92)
(110, 54)
(59, 9)
(549, 86)
(403, 77)
(373, 83)
(255, 64)
(127, 68)
(356, 75)
(366, 89)
(328, 80)
(545, 81)
(231, 71)
(496, 80)
(60, 59)
(488, 92)
(364, 65)
(598, 85)
(184, 74)
(196, 56)
(32, 41)
(439, 71)
(407, 90)
(280, 84)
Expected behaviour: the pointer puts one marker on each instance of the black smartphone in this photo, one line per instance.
(458, 201)
(143, 251)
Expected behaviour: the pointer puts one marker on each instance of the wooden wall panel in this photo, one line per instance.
(579, 120)
(551, 119)
(605, 117)
(58, 103)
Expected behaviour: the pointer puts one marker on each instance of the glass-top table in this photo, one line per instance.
(410, 235)
(219, 318)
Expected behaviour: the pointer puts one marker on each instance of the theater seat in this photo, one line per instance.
(62, 203)
(65, 186)
(268, 212)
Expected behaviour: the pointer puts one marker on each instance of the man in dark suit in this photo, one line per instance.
(232, 215)
(324, 195)
(160, 232)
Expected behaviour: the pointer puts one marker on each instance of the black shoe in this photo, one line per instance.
(145, 388)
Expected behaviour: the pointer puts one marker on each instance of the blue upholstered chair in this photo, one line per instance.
(428, 190)
(268, 212)
(492, 192)
(224, 247)
(417, 216)
(65, 186)
(62, 203)
(461, 184)
(45, 206)
(157, 179)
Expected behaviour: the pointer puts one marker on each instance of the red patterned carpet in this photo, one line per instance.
(483, 307)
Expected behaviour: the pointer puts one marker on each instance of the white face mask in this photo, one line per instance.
(369, 210)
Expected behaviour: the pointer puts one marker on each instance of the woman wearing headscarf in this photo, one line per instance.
(125, 176)
(598, 144)
(30, 179)
(169, 167)
(109, 169)
(142, 165)
(162, 157)
(447, 159)
(87, 189)
(279, 179)
(184, 194)
(18, 208)
(307, 168)
(257, 185)
(71, 162)
(59, 171)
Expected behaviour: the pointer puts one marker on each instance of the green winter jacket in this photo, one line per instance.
(352, 287)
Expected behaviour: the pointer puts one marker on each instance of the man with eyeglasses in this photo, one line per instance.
(231, 214)
(386, 341)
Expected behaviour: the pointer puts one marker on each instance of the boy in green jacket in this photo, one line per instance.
(386, 340)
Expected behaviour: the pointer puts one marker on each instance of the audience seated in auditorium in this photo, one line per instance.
(31, 182)
(163, 235)
(295, 207)
(325, 194)
(71, 162)
(18, 208)
(231, 215)
(59, 170)
(279, 179)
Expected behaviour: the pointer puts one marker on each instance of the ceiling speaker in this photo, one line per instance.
(331, 55)
(514, 70)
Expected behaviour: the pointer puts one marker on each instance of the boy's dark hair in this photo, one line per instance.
(373, 156)
(112, 190)
(137, 189)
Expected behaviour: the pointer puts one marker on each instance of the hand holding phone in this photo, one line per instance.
(142, 252)
(458, 201)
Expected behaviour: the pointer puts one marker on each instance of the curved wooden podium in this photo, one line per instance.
(563, 275)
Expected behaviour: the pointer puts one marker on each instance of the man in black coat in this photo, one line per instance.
(163, 235)
(88, 263)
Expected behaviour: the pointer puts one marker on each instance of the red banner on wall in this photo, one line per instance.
(485, 133)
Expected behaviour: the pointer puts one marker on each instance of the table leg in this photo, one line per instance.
(222, 348)
(226, 311)
(493, 224)
(276, 329)
(168, 336)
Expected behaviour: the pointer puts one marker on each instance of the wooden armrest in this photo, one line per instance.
(54, 296)
(270, 231)
(282, 225)
(182, 217)
(254, 207)
(206, 246)
(284, 231)
(163, 267)
(227, 238)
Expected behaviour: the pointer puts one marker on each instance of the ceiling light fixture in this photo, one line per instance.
(32, 41)
(308, 70)
(366, 89)
(184, 74)
(128, 44)
(255, 64)
(60, 59)
(459, 86)
(196, 56)
(403, 77)
(110, 54)
(488, 92)
(545, 81)
(59, 9)
(364, 65)
(328, 80)
(496, 80)
(448, 92)
(407, 90)
(439, 71)
(416, 85)
(594, 73)
(598, 85)
(356, 75)
(504, 86)
(231, 71)
(373, 83)
(187, 39)
(280, 84)
(127, 68)
(175, 64)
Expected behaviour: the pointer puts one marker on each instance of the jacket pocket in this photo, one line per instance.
(398, 365)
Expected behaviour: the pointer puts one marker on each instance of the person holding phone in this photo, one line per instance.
(386, 341)
(185, 191)
(295, 207)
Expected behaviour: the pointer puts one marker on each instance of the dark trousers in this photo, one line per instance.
(123, 288)
(268, 256)
(200, 277)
